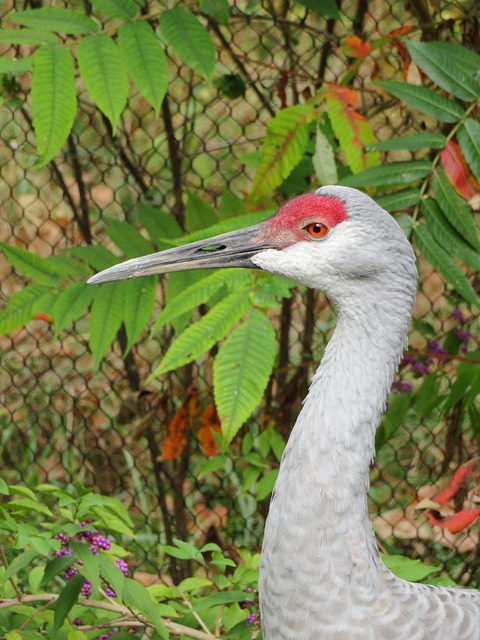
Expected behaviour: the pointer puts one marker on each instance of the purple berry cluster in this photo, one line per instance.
(462, 332)
(245, 604)
(96, 542)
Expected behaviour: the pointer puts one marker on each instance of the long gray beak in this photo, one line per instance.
(232, 249)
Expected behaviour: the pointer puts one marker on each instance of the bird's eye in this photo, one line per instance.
(316, 229)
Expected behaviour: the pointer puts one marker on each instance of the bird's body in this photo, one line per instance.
(321, 576)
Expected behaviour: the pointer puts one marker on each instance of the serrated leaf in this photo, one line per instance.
(444, 70)
(202, 335)
(128, 239)
(54, 99)
(67, 266)
(26, 36)
(198, 214)
(241, 371)
(412, 142)
(66, 600)
(145, 59)
(105, 318)
(103, 72)
(218, 9)
(138, 306)
(189, 39)
(399, 200)
(455, 209)
(160, 226)
(444, 264)
(467, 58)
(426, 100)
(96, 256)
(324, 160)
(447, 237)
(22, 307)
(408, 569)
(122, 9)
(389, 174)
(196, 294)
(70, 304)
(352, 129)
(284, 146)
(30, 265)
(55, 19)
(468, 137)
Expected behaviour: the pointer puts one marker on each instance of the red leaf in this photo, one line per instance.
(458, 171)
(185, 419)
(401, 31)
(355, 47)
(456, 522)
(43, 316)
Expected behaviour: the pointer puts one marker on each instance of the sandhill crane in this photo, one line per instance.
(321, 575)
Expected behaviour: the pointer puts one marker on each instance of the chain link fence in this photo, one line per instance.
(64, 424)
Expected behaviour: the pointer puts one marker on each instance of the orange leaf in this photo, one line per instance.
(185, 419)
(43, 316)
(355, 47)
(455, 483)
(458, 171)
(456, 522)
(400, 31)
(210, 424)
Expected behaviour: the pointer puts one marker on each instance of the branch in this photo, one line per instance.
(174, 627)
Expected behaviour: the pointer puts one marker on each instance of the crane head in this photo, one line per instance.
(323, 239)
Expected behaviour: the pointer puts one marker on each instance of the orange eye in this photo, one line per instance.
(316, 229)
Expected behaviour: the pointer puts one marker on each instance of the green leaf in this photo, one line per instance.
(138, 306)
(324, 160)
(465, 58)
(160, 226)
(425, 100)
(137, 597)
(70, 304)
(55, 19)
(265, 485)
(408, 569)
(444, 264)
(399, 200)
(426, 397)
(103, 72)
(325, 8)
(112, 574)
(468, 137)
(198, 214)
(26, 36)
(67, 599)
(189, 39)
(241, 371)
(122, 9)
(22, 307)
(56, 566)
(198, 293)
(90, 563)
(443, 232)
(444, 70)
(14, 67)
(412, 142)
(95, 255)
(68, 266)
(192, 584)
(54, 100)
(398, 407)
(18, 563)
(218, 9)
(389, 174)
(128, 239)
(105, 318)
(284, 146)
(201, 336)
(28, 504)
(455, 209)
(30, 265)
(145, 59)
(224, 597)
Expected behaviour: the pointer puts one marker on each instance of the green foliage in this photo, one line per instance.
(54, 19)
